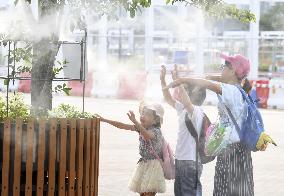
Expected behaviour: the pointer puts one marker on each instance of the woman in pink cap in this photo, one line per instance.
(233, 171)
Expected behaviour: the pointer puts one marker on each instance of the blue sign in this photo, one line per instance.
(180, 57)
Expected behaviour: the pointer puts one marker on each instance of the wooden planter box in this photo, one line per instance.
(49, 157)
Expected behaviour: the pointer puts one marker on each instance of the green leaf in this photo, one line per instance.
(168, 1)
(6, 82)
(5, 43)
(67, 91)
(132, 13)
(65, 61)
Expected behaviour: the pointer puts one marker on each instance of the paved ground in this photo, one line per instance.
(119, 149)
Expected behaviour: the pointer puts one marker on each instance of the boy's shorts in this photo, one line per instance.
(185, 179)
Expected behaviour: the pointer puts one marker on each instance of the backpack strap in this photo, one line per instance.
(153, 152)
(245, 96)
(194, 134)
(191, 128)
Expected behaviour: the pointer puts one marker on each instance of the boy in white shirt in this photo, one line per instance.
(189, 103)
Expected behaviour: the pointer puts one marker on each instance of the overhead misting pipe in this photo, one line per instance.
(56, 79)
(65, 42)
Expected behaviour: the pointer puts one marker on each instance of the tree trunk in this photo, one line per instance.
(44, 53)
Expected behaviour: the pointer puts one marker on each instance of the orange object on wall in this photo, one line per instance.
(77, 86)
(132, 85)
(262, 92)
(25, 85)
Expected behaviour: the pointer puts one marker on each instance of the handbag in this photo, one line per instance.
(217, 136)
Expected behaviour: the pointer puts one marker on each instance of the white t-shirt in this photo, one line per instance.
(232, 98)
(186, 147)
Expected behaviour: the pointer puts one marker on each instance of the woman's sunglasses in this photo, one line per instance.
(227, 64)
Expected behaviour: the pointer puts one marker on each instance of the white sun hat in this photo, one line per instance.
(158, 108)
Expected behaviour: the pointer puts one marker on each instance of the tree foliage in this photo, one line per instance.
(219, 9)
(272, 18)
(216, 8)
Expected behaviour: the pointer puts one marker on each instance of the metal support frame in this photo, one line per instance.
(82, 78)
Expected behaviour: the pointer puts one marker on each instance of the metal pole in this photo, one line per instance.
(84, 68)
(119, 37)
(14, 64)
(149, 31)
(102, 65)
(199, 69)
(273, 67)
(8, 79)
(254, 39)
(82, 61)
(35, 9)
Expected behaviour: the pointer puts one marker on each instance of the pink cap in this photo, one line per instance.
(240, 64)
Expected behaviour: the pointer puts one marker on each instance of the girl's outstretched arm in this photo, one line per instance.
(198, 82)
(118, 124)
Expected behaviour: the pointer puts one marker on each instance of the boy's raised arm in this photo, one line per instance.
(166, 93)
(184, 98)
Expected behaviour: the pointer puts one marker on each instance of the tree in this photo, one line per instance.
(272, 18)
(44, 52)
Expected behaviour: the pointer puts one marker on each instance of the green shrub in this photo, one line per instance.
(68, 111)
(2, 109)
(17, 108)
(263, 67)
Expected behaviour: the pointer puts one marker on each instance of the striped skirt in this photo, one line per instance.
(234, 172)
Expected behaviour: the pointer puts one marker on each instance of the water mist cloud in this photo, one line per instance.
(18, 23)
